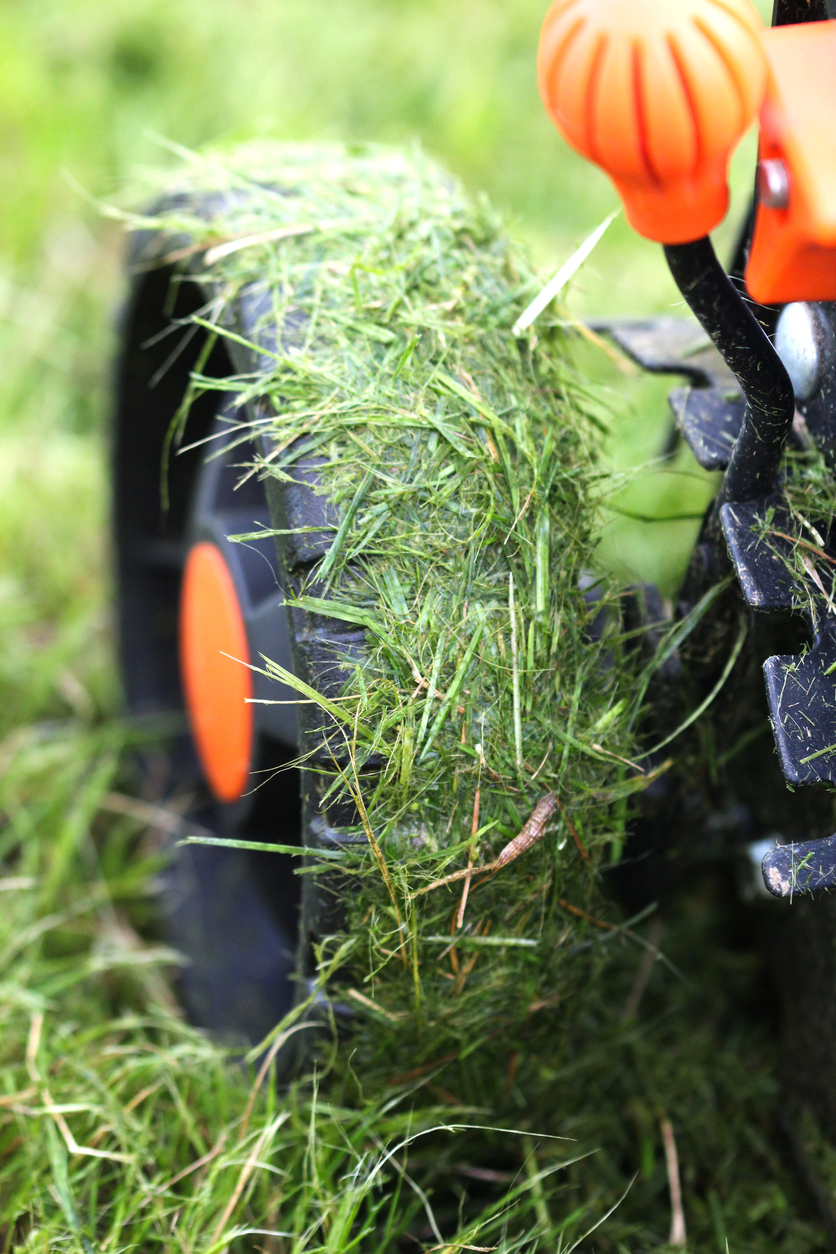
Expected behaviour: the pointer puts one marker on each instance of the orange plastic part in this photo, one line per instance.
(657, 93)
(212, 634)
(793, 253)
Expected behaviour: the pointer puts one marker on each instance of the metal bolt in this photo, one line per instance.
(773, 183)
(798, 344)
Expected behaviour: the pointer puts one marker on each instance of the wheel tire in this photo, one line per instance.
(233, 914)
(246, 924)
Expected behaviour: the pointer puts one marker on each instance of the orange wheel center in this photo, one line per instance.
(214, 664)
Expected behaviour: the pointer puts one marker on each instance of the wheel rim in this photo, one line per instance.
(233, 618)
(214, 664)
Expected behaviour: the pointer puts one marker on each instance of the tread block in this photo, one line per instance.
(710, 423)
(326, 660)
(802, 709)
(299, 508)
(325, 663)
(806, 867)
(766, 582)
(323, 835)
(668, 345)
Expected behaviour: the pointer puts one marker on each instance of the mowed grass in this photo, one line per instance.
(92, 1041)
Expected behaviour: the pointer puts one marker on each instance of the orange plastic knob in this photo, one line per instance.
(657, 93)
(214, 665)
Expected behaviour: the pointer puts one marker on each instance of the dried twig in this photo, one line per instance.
(195, 1166)
(461, 975)
(280, 1040)
(620, 360)
(608, 753)
(220, 251)
(454, 957)
(677, 1236)
(357, 794)
(161, 817)
(216, 249)
(357, 996)
(15, 1099)
(141, 1096)
(531, 832)
(529, 836)
(521, 514)
(816, 578)
(417, 1072)
(33, 1044)
(543, 763)
(378, 856)
(464, 973)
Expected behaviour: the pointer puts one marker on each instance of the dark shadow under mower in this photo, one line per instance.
(758, 574)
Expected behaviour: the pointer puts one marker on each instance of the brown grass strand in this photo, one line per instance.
(677, 1237)
(474, 828)
(532, 832)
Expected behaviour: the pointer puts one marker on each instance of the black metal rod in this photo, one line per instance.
(791, 12)
(747, 351)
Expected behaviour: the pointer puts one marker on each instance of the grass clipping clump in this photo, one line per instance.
(483, 740)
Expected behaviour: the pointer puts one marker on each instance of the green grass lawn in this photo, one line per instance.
(91, 93)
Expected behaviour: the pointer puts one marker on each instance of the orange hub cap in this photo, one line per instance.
(214, 664)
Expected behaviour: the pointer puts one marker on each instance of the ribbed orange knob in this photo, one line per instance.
(657, 93)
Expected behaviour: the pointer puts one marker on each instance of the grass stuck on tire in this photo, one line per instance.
(480, 742)
(478, 1077)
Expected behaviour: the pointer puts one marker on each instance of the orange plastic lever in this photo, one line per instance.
(793, 253)
(657, 93)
